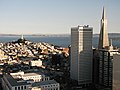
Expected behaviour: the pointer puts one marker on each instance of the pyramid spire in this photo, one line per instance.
(104, 14)
(103, 37)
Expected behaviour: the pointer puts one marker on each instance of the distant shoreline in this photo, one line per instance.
(61, 35)
(55, 35)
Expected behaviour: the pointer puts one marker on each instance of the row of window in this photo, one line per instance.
(32, 77)
(50, 86)
(20, 87)
(52, 89)
(46, 79)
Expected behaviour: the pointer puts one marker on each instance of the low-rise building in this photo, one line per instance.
(10, 83)
(37, 63)
(46, 85)
(36, 77)
(28, 81)
(2, 55)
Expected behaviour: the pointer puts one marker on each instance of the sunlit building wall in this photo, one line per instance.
(81, 54)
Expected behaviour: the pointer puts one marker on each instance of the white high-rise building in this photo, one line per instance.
(81, 54)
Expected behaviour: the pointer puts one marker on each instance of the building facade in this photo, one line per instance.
(95, 72)
(116, 72)
(106, 68)
(81, 55)
(9, 83)
(46, 85)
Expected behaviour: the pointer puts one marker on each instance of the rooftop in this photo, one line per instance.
(82, 27)
(36, 84)
(32, 74)
(14, 82)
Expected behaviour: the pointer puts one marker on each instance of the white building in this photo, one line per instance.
(36, 63)
(81, 54)
(36, 77)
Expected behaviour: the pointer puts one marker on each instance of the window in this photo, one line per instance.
(15, 88)
(24, 87)
(18, 88)
(21, 87)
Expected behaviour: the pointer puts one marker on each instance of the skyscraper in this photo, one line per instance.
(106, 68)
(103, 37)
(106, 52)
(81, 55)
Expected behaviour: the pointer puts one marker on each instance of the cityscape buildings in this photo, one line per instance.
(25, 65)
(102, 64)
(81, 55)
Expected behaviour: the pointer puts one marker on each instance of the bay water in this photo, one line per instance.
(63, 41)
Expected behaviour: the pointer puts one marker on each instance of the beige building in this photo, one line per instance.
(2, 55)
(103, 37)
(81, 55)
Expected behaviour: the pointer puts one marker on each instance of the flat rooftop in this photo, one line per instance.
(37, 84)
(32, 74)
(14, 82)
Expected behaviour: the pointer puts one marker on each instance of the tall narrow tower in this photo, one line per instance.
(103, 37)
(81, 54)
(22, 37)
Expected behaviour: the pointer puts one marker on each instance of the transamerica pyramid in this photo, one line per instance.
(103, 37)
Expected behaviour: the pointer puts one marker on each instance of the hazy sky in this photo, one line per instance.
(56, 16)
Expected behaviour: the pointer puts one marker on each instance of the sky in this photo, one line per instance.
(56, 16)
